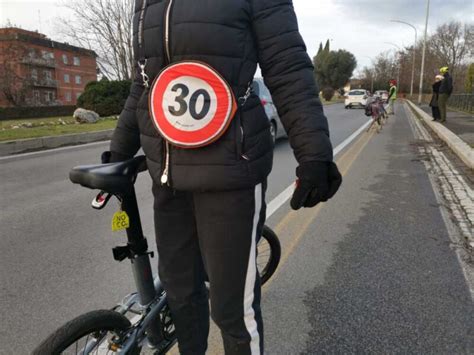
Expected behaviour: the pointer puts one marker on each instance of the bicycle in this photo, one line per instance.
(149, 319)
(376, 111)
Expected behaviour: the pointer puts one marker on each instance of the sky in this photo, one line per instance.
(360, 26)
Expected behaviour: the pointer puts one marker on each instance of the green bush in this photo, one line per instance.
(105, 97)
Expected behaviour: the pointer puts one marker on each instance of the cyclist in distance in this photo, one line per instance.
(209, 150)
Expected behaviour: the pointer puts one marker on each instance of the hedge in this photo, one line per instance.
(105, 97)
(9, 113)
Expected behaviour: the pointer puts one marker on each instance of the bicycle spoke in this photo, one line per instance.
(85, 345)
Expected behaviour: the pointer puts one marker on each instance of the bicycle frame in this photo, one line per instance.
(151, 315)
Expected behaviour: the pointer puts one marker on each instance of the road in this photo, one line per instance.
(371, 271)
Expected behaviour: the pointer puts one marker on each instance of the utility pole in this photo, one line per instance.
(414, 54)
(420, 92)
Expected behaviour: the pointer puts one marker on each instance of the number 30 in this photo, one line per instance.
(183, 105)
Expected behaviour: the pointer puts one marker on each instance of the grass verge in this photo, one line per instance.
(8, 133)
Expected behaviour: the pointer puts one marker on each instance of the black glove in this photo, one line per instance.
(112, 157)
(317, 181)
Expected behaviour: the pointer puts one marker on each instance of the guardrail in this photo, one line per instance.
(464, 102)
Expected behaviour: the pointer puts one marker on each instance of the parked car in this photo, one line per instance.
(383, 94)
(356, 98)
(276, 128)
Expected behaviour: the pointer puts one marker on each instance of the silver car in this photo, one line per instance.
(276, 128)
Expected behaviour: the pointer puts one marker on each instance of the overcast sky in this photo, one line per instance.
(359, 26)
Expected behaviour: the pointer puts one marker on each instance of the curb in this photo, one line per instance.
(32, 144)
(461, 148)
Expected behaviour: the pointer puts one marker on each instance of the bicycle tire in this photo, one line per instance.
(275, 253)
(80, 327)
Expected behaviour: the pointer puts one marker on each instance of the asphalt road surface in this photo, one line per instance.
(371, 271)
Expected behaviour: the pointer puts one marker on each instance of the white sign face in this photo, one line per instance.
(189, 103)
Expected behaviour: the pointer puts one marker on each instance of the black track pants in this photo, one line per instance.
(213, 232)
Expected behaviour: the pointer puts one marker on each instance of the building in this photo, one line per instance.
(37, 71)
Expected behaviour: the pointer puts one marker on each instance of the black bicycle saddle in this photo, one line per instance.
(115, 178)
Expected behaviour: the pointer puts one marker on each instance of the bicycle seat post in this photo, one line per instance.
(141, 262)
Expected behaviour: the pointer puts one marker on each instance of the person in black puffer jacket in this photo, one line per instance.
(209, 201)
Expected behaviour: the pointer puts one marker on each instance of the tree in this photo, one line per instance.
(333, 69)
(103, 26)
(326, 46)
(15, 85)
(320, 49)
(452, 43)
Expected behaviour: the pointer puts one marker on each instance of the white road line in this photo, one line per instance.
(14, 156)
(278, 201)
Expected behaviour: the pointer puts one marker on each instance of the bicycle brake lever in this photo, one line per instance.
(101, 200)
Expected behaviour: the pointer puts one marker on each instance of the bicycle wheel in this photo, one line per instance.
(90, 333)
(268, 254)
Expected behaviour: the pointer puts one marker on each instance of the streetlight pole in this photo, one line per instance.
(414, 54)
(420, 92)
(399, 63)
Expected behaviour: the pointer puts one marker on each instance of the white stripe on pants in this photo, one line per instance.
(249, 313)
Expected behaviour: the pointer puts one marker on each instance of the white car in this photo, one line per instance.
(356, 98)
(276, 128)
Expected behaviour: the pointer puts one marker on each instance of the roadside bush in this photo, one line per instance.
(105, 97)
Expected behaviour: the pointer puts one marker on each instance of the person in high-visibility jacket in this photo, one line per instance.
(392, 96)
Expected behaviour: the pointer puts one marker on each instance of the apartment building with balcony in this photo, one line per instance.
(40, 71)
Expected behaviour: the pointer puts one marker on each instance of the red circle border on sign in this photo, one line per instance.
(216, 126)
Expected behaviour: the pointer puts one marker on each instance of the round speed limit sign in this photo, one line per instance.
(191, 105)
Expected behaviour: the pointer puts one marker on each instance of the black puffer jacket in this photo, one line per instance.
(446, 85)
(232, 36)
(434, 97)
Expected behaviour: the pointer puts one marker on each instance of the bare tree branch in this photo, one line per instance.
(105, 27)
(452, 43)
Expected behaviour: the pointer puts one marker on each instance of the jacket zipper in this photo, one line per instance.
(165, 180)
(167, 31)
(140, 28)
(141, 50)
